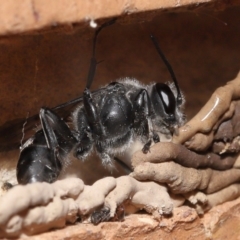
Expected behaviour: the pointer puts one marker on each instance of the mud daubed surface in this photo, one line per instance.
(185, 224)
(160, 182)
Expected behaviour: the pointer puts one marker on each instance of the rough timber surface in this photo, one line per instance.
(221, 222)
(27, 15)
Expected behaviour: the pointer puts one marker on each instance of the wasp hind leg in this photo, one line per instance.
(43, 158)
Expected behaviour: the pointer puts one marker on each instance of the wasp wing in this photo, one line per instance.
(17, 131)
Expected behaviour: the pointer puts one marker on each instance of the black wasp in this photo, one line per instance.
(110, 121)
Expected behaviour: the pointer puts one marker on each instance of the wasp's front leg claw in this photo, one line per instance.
(102, 215)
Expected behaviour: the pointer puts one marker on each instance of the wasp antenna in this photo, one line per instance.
(93, 62)
(156, 44)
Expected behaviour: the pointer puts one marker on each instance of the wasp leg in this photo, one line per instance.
(96, 128)
(43, 155)
(82, 134)
(101, 215)
(92, 114)
(143, 122)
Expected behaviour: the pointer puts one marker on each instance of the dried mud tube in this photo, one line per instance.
(199, 167)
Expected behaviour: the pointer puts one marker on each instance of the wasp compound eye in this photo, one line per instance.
(164, 98)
